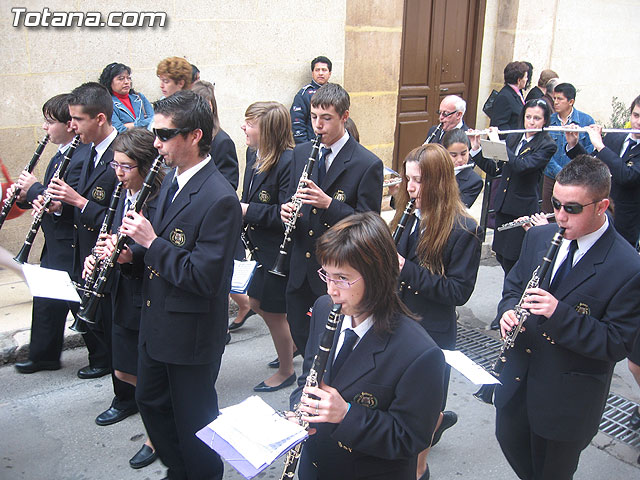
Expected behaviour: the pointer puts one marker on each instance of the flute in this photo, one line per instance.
(555, 128)
(11, 199)
(463, 167)
(522, 221)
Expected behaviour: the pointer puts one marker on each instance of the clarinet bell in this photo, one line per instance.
(78, 326)
(279, 265)
(485, 393)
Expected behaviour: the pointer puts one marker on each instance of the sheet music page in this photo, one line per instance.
(242, 274)
(48, 283)
(467, 367)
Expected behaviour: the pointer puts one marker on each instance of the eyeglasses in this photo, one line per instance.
(570, 208)
(166, 134)
(124, 168)
(341, 284)
(445, 114)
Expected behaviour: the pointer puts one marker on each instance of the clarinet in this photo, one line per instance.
(313, 380)
(406, 215)
(11, 199)
(23, 254)
(89, 304)
(248, 244)
(279, 265)
(486, 391)
(437, 130)
(105, 228)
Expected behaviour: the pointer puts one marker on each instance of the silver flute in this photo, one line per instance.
(521, 222)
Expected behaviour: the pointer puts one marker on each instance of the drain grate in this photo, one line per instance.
(483, 349)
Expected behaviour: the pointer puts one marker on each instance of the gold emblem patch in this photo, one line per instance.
(177, 237)
(583, 309)
(340, 196)
(98, 194)
(366, 400)
(264, 196)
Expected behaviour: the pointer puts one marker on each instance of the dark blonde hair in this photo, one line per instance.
(363, 242)
(176, 69)
(440, 204)
(275, 132)
(207, 91)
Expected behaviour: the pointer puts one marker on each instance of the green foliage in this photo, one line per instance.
(619, 115)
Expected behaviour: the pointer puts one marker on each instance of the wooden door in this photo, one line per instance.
(441, 47)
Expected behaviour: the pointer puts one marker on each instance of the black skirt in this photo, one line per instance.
(269, 289)
(124, 349)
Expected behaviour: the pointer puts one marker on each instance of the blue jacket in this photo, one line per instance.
(122, 115)
(301, 113)
(560, 158)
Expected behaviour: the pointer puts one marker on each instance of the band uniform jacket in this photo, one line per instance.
(470, 185)
(223, 153)
(432, 296)
(354, 182)
(507, 109)
(126, 283)
(566, 361)
(97, 189)
(625, 183)
(394, 385)
(189, 266)
(518, 193)
(265, 195)
(57, 252)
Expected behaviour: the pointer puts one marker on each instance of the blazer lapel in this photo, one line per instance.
(362, 359)
(332, 353)
(258, 180)
(339, 164)
(246, 184)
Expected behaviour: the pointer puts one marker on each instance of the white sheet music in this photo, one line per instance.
(48, 283)
(467, 367)
(242, 275)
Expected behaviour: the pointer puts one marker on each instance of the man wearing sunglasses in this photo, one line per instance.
(584, 317)
(190, 244)
(450, 114)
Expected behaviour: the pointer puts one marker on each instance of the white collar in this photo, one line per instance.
(104, 144)
(335, 148)
(361, 330)
(584, 244)
(187, 175)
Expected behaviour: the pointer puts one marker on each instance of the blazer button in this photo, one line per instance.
(528, 350)
(308, 255)
(150, 276)
(517, 379)
(311, 233)
(505, 190)
(148, 303)
(252, 227)
(507, 179)
(314, 211)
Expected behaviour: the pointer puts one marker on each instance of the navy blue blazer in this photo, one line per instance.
(625, 183)
(518, 193)
(97, 189)
(57, 252)
(265, 195)
(391, 418)
(507, 109)
(435, 297)
(354, 182)
(470, 185)
(189, 266)
(566, 361)
(223, 153)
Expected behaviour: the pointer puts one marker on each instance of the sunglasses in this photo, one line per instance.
(570, 208)
(124, 168)
(445, 114)
(166, 134)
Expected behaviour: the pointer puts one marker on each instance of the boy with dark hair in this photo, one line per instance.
(48, 316)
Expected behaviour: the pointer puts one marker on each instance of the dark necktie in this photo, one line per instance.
(627, 151)
(350, 339)
(565, 268)
(92, 163)
(170, 194)
(127, 207)
(520, 146)
(322, 167)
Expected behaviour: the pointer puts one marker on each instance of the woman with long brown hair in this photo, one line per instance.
(439, 253)
(267, 127)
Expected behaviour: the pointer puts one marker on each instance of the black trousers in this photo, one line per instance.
(48, 318)
(299, 301)
(175, 402)
(531, 456)
(99, 337)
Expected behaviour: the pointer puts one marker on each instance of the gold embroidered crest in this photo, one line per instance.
(177, 237)
(98, 194)
(264, 196)
(366, 400)
(583, 309)
(340, 196)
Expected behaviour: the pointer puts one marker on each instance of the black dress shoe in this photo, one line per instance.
(93, 372)
(32, 367)
(114, 415)
(276, 363)
(449, 419)
(145, 456)
(634, 420)
(236, 325)
(262, 387)
(426, 474)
